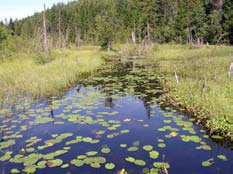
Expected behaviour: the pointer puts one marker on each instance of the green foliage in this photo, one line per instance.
(192, 67)
(102, 22)
(3, 35)
(60, 73)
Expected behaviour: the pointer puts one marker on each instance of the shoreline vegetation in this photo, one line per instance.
(188, 71)
(24, 75)
(196, 82)
(185, 69)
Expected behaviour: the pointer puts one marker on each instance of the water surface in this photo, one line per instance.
(108, 122)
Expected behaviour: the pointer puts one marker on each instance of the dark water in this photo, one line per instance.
(118, 109)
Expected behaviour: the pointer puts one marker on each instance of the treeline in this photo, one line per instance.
(104, 21)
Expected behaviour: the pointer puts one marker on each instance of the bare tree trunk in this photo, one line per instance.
(133, 34)
(59, 28)
(46, 45)
(231, 66)
(177, 78)
(133, 38)
(148, 33)
(176, 5)
(203, 88)
(78, 38)
(109, 46)
(65, 43)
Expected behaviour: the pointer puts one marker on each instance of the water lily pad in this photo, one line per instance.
(54, 154)
(65, 166)
(91, 153)
(161, 145)
(30, 149)
(54, 163)
(161, 164)
(130, 159)
(100, 132)
(41, 164)
(222, 157)
(136, 143)
(77, 163)
(6, 157)
(123, 145)
(167, 121)
(145, 170)
(160, 140)
(6, 144)
(80, 157)
(207, 163)
(110, 136)
(154, 154)
(95, 165)
(125, 131)
(15, 171)
(133, 149)
(173, 134)
(109, 166)
(204, 147)
(105, 150)
(140, 162)
(147, 147)
(30, 169)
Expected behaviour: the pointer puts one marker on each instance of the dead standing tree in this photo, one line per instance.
(133, 38)
(78, 40)
(203, 88)
(59, 28)
(46, 45)
(147, 40)
(231, 66)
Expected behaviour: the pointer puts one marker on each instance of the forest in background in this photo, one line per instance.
(104, 21)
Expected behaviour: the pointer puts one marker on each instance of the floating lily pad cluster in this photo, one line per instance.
(57, 133)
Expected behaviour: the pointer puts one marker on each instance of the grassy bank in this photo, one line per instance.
(193, 65)
(24, 75)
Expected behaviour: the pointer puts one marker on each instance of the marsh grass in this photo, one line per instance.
(24, 75)
(193, 65)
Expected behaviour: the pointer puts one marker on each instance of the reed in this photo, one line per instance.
(24, 75)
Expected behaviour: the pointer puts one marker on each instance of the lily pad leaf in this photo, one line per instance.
(207, 163)
(91, 153)
(140, 162)
(13, 171)
(109, 166)
(130, 159)
(147, 147)
(54, 163)
(222, 157)
(132, 149)
(154, 154)
(105, 150)
(77, 163)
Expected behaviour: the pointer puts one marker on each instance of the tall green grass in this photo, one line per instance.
(24, 75)
(192, 66)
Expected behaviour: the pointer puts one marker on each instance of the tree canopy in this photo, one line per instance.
(103, 21)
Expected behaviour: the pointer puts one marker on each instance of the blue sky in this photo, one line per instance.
(23, 8)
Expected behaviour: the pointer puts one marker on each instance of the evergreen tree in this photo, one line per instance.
(228, 20)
